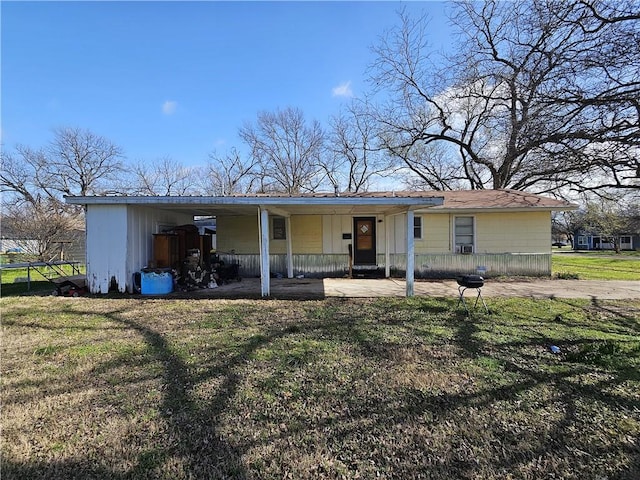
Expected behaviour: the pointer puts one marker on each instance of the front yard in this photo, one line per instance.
(388, 388)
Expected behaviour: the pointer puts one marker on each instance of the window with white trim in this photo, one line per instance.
(582, 240)
(464, 234)
(417, 227)
(626, 242)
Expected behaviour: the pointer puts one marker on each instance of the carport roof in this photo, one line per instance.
(316, 203)
(346, 203)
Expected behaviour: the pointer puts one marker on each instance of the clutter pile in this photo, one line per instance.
(190, 258)
(195, 274)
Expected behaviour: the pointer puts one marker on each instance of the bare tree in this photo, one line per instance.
(356, 159)
(536, 95)
(431, 167)
(163, 177)
(229, 174)
(38, 227)
(80, 162)
(76, 162)
(287, 150)
(18, 175)
(33, 182)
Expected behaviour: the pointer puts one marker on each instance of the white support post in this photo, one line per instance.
(387, 246)
(264, 252)
(410, 254)
(289, 247)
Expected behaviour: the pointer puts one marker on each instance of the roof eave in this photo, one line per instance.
(252, 201)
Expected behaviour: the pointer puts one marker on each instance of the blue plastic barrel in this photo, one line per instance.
(156, 282)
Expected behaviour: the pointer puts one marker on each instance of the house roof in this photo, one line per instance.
(473, 200)
(345, 203)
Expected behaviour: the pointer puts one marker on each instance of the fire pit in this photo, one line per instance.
(471, 281)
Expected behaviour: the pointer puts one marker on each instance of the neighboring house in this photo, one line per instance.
(18, 245)
(70, 247)
(586, 240)
(424, 234)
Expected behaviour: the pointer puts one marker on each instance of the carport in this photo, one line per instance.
(119, 228)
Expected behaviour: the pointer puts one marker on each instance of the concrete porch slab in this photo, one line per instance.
(391, 287)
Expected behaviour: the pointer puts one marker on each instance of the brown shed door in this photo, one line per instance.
(364, 251)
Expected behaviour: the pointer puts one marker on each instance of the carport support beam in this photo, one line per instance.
(264, 252)
(387, 246)
(289, 247)
(410, 254)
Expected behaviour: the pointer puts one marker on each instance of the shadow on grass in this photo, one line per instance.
(193, 427)
(199, 444)
(198, 439)
(39, 287)
(566, 389)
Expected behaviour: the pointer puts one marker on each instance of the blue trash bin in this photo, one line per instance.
(156, 281)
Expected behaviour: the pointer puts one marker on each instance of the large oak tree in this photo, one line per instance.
(538, 94)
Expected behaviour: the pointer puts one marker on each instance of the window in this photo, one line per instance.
(464, 234)
(279, 228)
(417, 227)
(626, 242)
(582, 240)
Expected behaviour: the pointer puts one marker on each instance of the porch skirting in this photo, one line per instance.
(426, 266)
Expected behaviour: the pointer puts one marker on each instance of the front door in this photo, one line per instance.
(364, 250)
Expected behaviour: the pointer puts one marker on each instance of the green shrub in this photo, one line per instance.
(567, 276)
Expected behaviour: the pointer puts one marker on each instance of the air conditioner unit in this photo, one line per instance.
(467, 248)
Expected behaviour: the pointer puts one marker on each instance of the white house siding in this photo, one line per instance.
(106, 247)
(398, 237)
(142, 223)
(121, 243)
(333, 226)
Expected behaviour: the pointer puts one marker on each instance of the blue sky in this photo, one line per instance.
(178, 79)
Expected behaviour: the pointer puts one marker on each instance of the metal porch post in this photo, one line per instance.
(387, 247)
(410, 254)
(289, 247)
(264, 252)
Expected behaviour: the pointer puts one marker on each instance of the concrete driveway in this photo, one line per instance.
(391, 287)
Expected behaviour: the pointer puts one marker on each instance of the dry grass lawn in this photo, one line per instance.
(124, 388)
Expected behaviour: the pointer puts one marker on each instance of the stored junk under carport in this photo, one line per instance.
(183, 260)
(428, 234)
